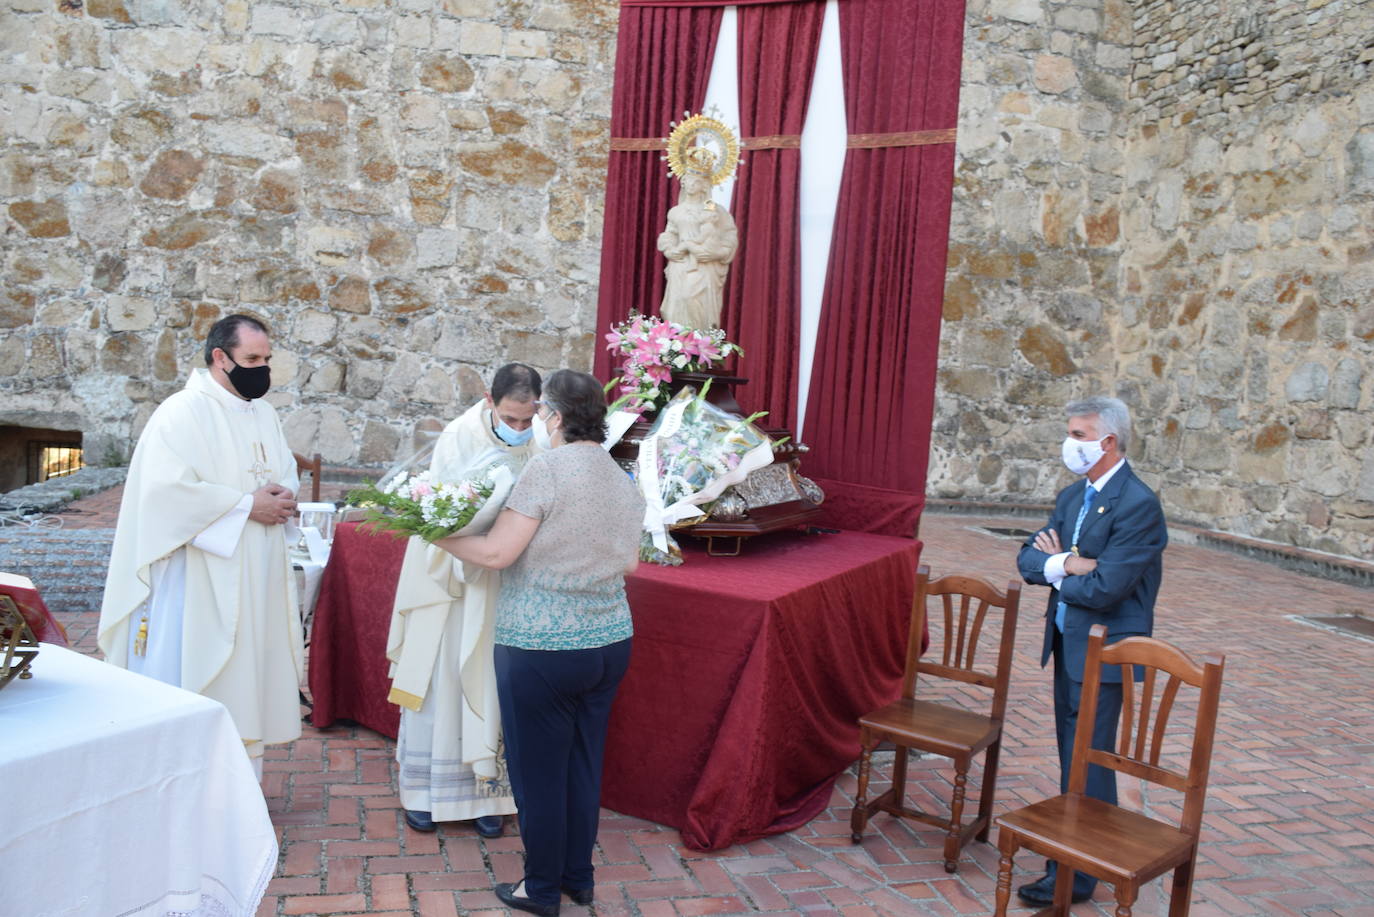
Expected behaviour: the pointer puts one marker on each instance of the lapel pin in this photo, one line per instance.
(1102, 509)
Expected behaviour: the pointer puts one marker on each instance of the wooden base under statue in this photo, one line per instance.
(772, 498)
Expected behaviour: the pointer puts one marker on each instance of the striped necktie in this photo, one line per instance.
(1088, 494)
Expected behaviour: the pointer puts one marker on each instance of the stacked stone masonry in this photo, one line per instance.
(1211, 60)
(1166, 199)
(1174, 206)
(407, 191)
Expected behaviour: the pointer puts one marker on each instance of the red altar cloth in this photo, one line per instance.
(348, 667)
(746, 680)
(748, 676)
(46, 628)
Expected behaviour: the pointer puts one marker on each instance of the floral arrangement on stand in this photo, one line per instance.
(652, 350)
(693, 453)
(416, 504)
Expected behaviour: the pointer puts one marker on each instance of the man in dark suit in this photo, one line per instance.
(1101, 554)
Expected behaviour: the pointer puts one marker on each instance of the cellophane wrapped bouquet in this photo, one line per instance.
(693, 452)
(436, 504)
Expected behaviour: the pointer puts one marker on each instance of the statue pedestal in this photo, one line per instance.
(772, 498)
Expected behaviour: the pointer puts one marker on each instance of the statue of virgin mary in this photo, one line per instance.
(699, 242)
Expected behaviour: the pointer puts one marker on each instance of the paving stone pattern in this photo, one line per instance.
(1289, 828)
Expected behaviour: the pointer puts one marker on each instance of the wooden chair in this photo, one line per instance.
(952, 732)
(311, 465)
(1119, 846)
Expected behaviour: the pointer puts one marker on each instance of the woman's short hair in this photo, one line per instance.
(580, 401)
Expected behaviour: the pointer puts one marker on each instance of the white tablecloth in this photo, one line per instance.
(125, 797)
(309, 575)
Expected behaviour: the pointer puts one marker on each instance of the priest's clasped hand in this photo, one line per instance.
(272, 505)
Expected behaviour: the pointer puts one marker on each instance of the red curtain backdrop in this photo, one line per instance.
(872, 387)
(873, 383)
(662, 62)
(762, 313)
(687, 4)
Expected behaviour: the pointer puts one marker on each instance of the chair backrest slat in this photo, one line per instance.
(1166, 706)
(1128, 706)
(961, 630)
(956, 673)
(949, 655)
(1134, 767)
(980, 615)
(1147, 697)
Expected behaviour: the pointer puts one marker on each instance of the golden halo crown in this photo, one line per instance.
(700, 159)
(702, 145)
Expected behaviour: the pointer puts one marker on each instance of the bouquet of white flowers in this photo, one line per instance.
(418, 504)
(693, 452)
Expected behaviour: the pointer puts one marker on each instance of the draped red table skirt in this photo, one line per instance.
(348, 667)
(746, 680)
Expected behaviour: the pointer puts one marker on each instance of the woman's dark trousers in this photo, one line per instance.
(555, 707)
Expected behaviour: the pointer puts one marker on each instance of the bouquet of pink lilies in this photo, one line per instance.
(652, 350)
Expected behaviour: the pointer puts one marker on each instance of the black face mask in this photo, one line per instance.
(250, 381)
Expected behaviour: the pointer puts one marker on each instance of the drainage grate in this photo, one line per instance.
(1352, 624)
(1018, 534)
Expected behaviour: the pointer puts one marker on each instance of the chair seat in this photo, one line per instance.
(948, 731)
(1102, 839)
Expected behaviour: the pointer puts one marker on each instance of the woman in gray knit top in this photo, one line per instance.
(567, 537)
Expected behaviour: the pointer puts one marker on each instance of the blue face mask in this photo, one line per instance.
(512, 437)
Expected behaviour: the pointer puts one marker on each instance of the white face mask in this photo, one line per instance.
(1079, 455)
(542, 438)
(511, 436)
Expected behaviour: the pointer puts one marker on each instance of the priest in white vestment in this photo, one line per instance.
(199, 592)
(451, 761)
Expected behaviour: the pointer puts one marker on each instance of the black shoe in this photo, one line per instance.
(420, 821)
(582, 896)
(1040, 893)
(506, 892)
(490, 825)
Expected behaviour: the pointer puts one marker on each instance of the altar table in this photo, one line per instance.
(125, 796)
(746, 680)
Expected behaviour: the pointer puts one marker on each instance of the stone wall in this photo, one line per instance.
(1035, 238)
(1247, 313)
(407, 191)
(1211, 61)
(1223, 276)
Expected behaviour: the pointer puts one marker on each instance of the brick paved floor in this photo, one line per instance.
(1289, 827)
